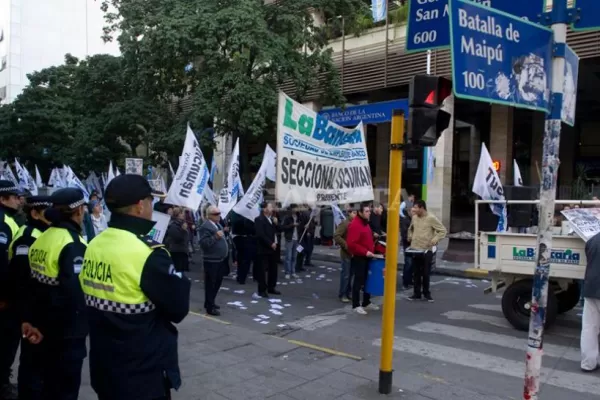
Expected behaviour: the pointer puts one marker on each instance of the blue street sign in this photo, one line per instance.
(428, 19)
(570, 87)
(589, 15)
(373, 113)
(499, 58)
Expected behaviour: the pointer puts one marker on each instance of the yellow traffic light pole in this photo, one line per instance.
(391, 253)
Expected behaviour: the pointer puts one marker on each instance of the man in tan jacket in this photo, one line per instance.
(424, 233)
(339, 237)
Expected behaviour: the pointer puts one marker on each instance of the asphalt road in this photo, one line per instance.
(459, 347)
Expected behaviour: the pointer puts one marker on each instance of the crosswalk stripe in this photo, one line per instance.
(567, 380)
(501, 322)
(498, 308)
(496, 339)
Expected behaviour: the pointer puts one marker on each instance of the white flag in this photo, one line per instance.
(38, 178)
(192, 175)
(249, 205)
(31, 185)
(117, 172)
(271, 157)
(228, 196)
(209, 196)
(172, 171)
(74, 182)
(8, 174)
(338, 215)
(518, 180)
(110, 176)
(23, 182)
(487, 185)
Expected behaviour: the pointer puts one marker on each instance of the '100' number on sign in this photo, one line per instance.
(425, 37)
(474, 80)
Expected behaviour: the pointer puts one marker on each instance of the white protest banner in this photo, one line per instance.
(160, 228)
(487, 185)
(134, 166)
(228, 195)
(319, 162)
(249, 205)
(584, 221)
(192, 175)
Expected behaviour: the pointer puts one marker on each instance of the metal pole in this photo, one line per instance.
(551, 143)
(426, 150)
(387, 35)
(391, 253)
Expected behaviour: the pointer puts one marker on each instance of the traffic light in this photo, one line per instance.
(430, 109)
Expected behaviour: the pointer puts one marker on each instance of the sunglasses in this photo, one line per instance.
(215, 214)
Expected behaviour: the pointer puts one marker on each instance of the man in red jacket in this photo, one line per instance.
(361, 246)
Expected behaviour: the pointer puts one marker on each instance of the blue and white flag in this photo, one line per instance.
(213, 169)
(338, 215)
(487, 185)
(379, 8)
(74, 182)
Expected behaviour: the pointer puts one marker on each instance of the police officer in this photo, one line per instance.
(58, 306)
(134, 296)
(9, 317)
(29, 362)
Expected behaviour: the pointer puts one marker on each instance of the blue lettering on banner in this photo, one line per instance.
(566, 256)
(333, 136)
(428, 19)
(499, 58)
(374, 113)
(292, 142)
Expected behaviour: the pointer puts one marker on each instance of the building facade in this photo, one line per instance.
(37, 34)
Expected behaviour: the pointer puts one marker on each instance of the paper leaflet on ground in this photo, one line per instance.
(584, 221)
(319, 162)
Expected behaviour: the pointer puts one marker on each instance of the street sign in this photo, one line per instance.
(499, 58)
(428, 19)
(589, 15)
(570, 87)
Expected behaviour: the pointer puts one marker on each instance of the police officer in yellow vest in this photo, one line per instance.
(58, 306)
(134, 296)
(9, 317)
(29, 382)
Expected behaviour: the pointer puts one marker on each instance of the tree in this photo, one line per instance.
(230, 56)
(82, 113)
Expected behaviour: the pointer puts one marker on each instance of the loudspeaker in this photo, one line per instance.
(520, 215)
(488, 221)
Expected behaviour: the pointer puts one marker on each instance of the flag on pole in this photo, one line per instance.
(518, 180)
(213, 169)
(487, 185)
(38, 178)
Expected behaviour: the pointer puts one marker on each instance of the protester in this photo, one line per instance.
(590, 326)
(405, 219)
(266, 235)
(292, 233)
(215, 253)
(360, 244)
(177, 240)
(339, 237)
(376, 221)
(424, 233)
(97, 216)
(244, 239)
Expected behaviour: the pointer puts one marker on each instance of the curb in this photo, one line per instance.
(470, 273)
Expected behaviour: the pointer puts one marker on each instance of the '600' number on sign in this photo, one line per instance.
(474, 80)
(425, 37)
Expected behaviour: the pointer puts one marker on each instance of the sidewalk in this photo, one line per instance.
(444, 268)
(220, 361)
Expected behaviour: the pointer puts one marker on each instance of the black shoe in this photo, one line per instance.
(264, 295)
(300, 269)
(413, 298)
(216, 307)
(214, 312)
(8, 391)
(274, 291)
(429, 298)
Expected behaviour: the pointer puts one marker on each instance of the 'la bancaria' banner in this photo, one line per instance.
(319, 162)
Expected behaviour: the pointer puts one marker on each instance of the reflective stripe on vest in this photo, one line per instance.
(112, 271)
(34, 233)
(45, 252)
(12, 225)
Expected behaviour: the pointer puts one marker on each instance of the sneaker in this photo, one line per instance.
(360, 310)
(413, 298)
(372, 307)
(429, 298)
(344, 299)
(287, 276)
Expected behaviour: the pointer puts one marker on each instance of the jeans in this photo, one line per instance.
(290, 256)
(407, 270)
(345, 279)
(308, 243)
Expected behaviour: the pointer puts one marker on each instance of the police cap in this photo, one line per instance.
(38, 201)
(127, 190)
(68, 197)
(8, 188)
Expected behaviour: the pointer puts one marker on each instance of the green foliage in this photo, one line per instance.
(82, 113)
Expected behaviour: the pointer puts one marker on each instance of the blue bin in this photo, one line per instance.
(375, 281)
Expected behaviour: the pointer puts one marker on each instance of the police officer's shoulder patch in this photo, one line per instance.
(3, 238)
(22, 250)
(153, 244)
